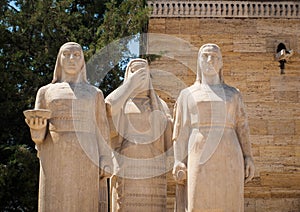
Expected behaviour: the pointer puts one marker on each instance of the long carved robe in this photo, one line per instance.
(70, 154)
(210, 128)
(141, 142)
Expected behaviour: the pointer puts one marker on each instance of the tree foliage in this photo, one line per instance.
(18, 179)
(31, 33)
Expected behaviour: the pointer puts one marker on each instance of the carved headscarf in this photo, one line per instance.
(217, 49)
(57, 76)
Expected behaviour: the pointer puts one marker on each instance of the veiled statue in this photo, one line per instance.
(70, 128)
(211, 140)
(141, 135)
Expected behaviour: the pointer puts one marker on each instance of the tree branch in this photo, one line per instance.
(13, 8)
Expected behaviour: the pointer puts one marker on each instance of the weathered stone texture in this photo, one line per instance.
(272, 100)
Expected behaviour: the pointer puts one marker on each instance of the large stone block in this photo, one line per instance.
(287, 139)
(261, 140)
(157, 25)
(281, 127)
(278, 179)
(173, 26)
(249, 43)
(278, 27)
(286, 96)
(285, 83)
(277, 204)
(277, 153)
(258, 126)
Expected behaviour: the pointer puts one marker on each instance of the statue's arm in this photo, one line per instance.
(105, 159)
(180, 140)
(40, 102)
(242, 130)
(130, 88)
(169, 126)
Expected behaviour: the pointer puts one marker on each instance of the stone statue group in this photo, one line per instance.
(83, 140)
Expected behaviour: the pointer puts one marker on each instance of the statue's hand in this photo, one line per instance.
(105, 172)
(105, 166)
(249, 169)
(138, 79)
(36, 123)
(37, 128)
(179, 172)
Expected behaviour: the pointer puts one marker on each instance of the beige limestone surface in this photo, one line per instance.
(141, 140)
(211, 139)
(72, 140)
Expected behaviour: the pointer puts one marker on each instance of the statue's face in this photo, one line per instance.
(71, 60)
(210, 61)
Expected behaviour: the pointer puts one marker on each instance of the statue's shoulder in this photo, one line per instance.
(232, 90)
(92, 87)
(94, 90)
(51, 86)
(85, 86)
(44, 88)
(188, 92)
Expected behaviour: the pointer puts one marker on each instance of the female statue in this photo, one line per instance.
(211, 139)
(71, 143)
(141, 137)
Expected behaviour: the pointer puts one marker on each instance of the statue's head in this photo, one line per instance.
(70, 61)
(209, 61)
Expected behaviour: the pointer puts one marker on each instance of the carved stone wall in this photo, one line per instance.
(248, 39)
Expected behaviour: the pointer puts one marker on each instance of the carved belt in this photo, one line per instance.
(215, 125)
